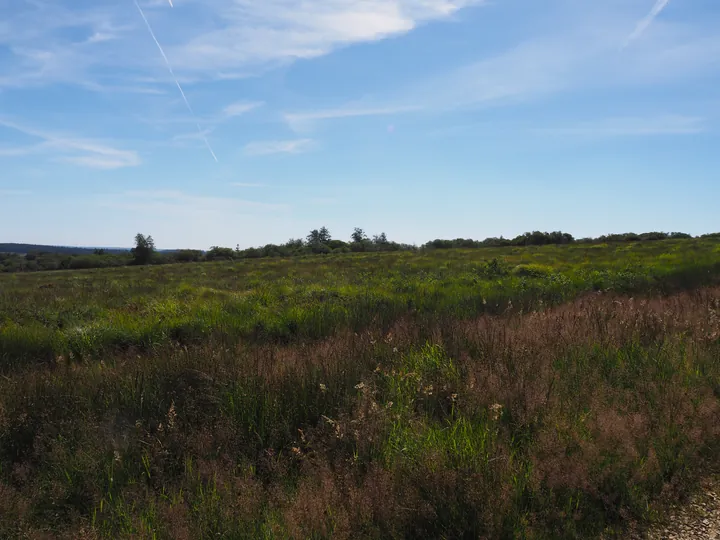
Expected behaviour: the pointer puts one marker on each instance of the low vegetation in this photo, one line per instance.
(30, 258)
(507, 392)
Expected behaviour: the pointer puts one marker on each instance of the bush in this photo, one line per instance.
(188, 255)
(220, 254)
(531, 270)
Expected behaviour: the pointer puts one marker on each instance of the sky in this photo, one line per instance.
(226, 122)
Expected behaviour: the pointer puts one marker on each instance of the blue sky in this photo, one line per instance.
(420, 118)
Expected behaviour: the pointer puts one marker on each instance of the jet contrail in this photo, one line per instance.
(177, 83)
(171, 3)
(647, 21)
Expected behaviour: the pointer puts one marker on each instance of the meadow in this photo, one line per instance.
(519, 392)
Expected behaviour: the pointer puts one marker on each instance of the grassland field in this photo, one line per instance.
(536, 392)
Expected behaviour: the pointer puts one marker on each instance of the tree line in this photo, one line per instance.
(317, 242)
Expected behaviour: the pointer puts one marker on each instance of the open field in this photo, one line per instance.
(556, 391)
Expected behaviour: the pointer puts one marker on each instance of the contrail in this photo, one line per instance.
(171, 5)
(647, 21)
(177, 83)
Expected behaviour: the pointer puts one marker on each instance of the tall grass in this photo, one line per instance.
(565, 422)
(503, 393)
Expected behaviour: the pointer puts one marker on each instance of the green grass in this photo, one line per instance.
(90, 313)
(512, 393)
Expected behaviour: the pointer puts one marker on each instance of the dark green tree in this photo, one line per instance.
(313, 238)
(358, 236)
(324, 235)
(317, 237)
(380, 239)
(144, 249)
(318, 240)
(218, 253)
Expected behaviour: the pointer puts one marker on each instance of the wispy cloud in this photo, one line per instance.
(212, 122)
(57, 42)
(69, 149)
(301, 121)
(179, 203)
(120, 88)
(107, 160)
(534, 68)
(323, 201)
(549, 62)
(284, 30)
(645, 23)
(175, 79)
(633, 127)
(531, 69)
(99, 37)
(102, 46)
(262, 148)
(243, 38)
(240, 108)
(14, 151)
(193, 136)
(246, 185)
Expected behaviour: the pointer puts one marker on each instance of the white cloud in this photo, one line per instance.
(57, 42)
(204, 39)
(217, 39)
(69, 149)
(10, 151)
(102, 162)
(253, 33)
(530, 69)
(178, 203)
(645, 23)
(120, 88)
(575, 53)
(193, 135)
(323, 201)
(633, 127)
(200, 136)
(262, 148)
(106, 48)
(302, 121)
(99, 37)
(241, 107)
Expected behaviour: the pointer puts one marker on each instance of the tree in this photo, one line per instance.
(143, 250)
(220, 253)
(313, 238)
(324, 235)
(317, 237)
(188, 255)
(318, 240)
(380, 239)
(358, 236)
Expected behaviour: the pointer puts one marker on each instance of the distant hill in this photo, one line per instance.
(64, 250)
(22, 249)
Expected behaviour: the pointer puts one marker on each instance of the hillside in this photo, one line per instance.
(557, 391)
(63, 250)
